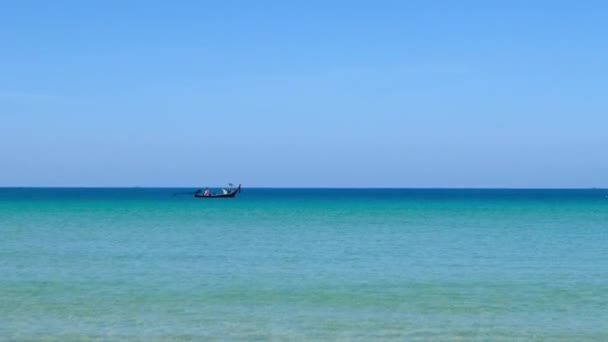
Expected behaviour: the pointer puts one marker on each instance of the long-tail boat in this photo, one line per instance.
(230, 193)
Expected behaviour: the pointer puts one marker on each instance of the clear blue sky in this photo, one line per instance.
(304, 93)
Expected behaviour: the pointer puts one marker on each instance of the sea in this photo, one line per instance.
(145, 264)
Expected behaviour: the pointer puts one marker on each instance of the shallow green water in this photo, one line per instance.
(142, 264)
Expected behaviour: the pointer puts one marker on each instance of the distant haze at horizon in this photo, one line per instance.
(310, 94)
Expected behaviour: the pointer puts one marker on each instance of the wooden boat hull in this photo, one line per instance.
(228, 195)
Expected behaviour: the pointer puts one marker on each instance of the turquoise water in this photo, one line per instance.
(143, 264)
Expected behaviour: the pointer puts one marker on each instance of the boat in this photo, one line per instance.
(230, 193)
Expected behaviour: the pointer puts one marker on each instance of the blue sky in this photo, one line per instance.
(304, 93)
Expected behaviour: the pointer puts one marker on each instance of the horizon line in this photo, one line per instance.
(311, 187)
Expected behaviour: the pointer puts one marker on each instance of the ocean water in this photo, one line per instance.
(304, 264)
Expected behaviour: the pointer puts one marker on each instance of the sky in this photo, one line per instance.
(304, 93)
